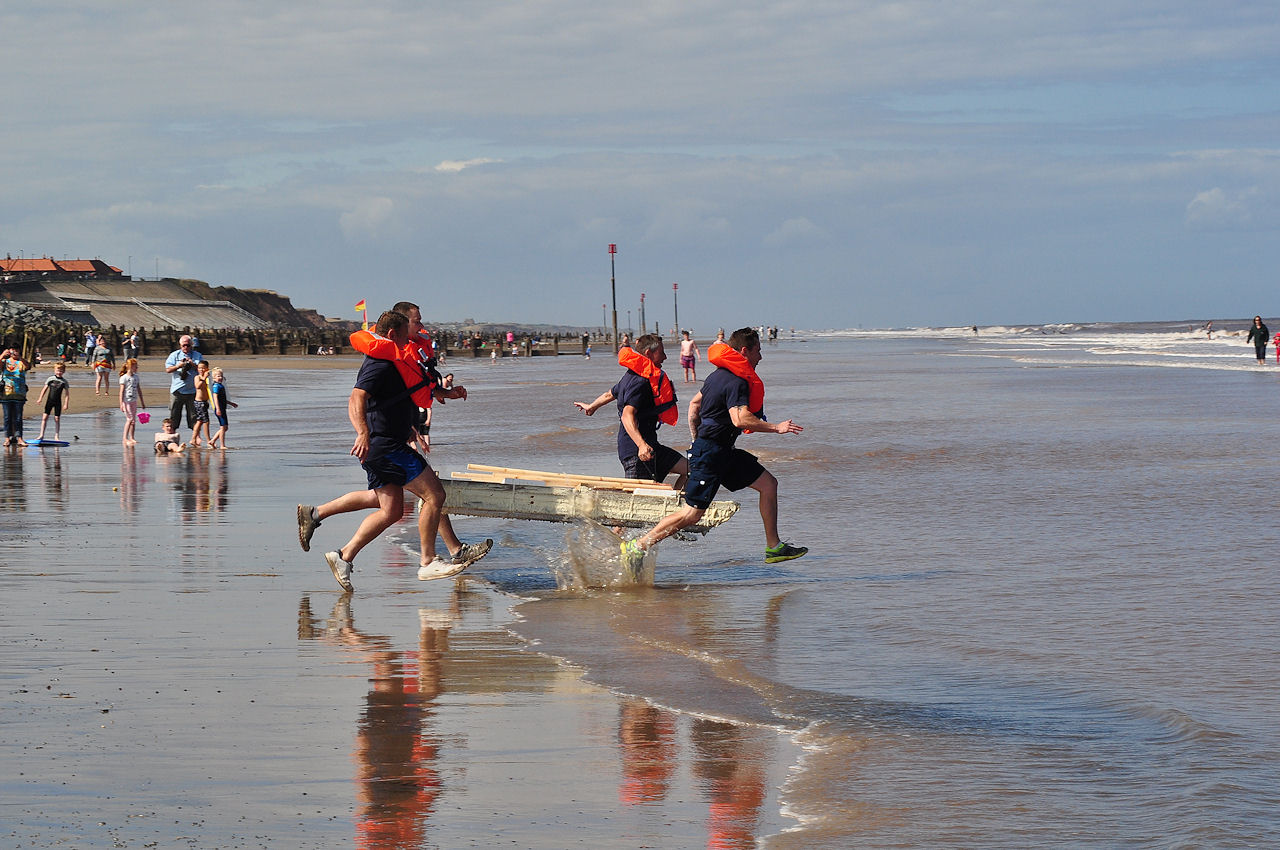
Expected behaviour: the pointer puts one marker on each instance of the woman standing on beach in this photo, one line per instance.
(1259, 335)
(13, 394)
(130, 399)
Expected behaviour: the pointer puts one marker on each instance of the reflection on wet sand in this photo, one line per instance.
(396, 779)
(13, 496)
(647, 738)
(199, 480)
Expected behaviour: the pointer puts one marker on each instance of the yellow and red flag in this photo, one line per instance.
(361, 306)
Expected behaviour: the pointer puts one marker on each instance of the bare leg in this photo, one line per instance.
(451, 540)
(767, 486)
(681, 470)
(427, 488)
(669, 525)
(390, 508)
(360, 500)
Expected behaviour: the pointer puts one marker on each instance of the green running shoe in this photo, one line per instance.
(783, 552)
(632, 558)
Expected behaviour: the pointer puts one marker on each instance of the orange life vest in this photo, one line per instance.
(418, 381)
(664, 394)
(721, 355)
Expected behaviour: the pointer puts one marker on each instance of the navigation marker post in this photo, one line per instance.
(675, 300)
(613, 289)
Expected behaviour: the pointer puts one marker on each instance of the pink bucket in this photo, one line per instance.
(144, 417)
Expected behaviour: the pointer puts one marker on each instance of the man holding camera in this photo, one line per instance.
(181, 366)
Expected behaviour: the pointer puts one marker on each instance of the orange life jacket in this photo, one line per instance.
(418, 381)
(664, 394)
(721, 355)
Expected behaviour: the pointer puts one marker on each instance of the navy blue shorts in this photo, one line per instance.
(395, 468)
(664, 460)
(712, 466)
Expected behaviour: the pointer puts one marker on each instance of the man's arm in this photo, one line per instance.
(356, 407)
(632, 427)
(603, 399)
(695, 416)
(743, 418)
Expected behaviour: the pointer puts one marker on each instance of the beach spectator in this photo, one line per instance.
(645, 399)
(56, 397)
(689, 357)
(203, 396)
(181, 366)
(1259, 336)
(13, 394)
(218, 391)
(381, 412)
(104, 363)
(90, 343)
(720, 335)
(130, 399)
(731, 402)
(167, 439)
(626, 341)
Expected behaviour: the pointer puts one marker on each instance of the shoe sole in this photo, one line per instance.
(778, 559)
(333, 568)
(303, 537)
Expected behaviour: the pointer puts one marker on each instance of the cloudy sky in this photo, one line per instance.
(816, 164)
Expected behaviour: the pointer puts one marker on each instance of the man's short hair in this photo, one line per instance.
(391, 321)
(647, 343)
(744, 338)
(405, 306)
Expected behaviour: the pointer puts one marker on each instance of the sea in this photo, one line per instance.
(1039, 606)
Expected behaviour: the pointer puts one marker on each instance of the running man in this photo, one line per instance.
(645, 398)
(381, 411)
(731, 402)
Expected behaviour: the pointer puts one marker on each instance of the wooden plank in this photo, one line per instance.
(542, 475)
(516, 500)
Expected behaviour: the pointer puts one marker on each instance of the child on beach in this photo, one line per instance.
(56, 396)
(168, 441)
(130, 399)
(202, 402)
(218, 390)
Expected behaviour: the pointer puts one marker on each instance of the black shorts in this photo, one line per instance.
(664, 460)
(53, 405)
(395, 468)
(712, 466)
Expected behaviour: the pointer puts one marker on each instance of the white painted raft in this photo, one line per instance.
(560, 497)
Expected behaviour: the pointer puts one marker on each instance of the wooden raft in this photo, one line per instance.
(499, 491)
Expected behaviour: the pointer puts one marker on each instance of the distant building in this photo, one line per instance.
(51, 269)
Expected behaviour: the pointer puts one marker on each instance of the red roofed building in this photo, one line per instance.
(74, 269)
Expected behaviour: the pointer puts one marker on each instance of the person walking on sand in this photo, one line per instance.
(203, 397)
(689, 355)
(381, 412)
(104, 363)
(731, 403)
(645, 399)
(1259, 336)
(130, 399)
(56, 397)
(220, 403)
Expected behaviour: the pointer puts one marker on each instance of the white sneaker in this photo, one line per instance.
(439, 568)
(341, 569)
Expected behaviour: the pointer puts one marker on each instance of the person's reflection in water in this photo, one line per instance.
(730, 763)
(132, 478)
(396, 780)
(54, 481)
(647, 739)
(12, 495)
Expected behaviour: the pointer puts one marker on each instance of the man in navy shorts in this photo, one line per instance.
(717, 416)
(381, 411)
(642, 456)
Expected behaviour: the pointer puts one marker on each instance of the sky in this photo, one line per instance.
(815, 164)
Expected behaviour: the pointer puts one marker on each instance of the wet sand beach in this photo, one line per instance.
(177, 672)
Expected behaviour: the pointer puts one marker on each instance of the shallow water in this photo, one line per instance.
(1038, 609)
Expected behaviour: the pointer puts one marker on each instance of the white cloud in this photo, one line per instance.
(1216, 209)
(368, 219)
(453, 166)
(795, 231)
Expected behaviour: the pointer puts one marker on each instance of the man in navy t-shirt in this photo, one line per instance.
(718, 415)
(642, 456)
(381, 412)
